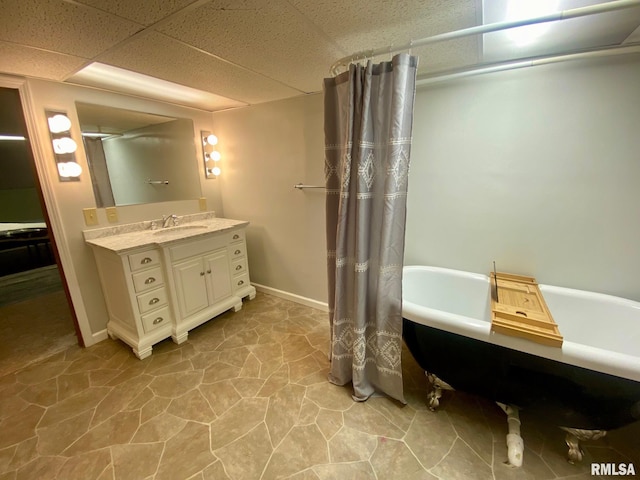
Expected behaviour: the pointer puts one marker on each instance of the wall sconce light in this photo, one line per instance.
(210, 156)
(64, 147)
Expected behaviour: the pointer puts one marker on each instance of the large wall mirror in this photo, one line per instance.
(137, 157)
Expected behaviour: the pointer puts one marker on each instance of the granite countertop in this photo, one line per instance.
(124, 238)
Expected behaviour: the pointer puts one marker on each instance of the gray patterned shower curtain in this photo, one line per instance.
(368, 121)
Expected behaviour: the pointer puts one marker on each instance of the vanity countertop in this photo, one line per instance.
(124, 238)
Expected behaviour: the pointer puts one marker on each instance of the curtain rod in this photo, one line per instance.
(491, 27)
(523, 63)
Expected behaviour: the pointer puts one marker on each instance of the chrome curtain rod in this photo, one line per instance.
(492, 27)
(444, 76)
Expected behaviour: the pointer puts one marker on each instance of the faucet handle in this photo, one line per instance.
(175, 220)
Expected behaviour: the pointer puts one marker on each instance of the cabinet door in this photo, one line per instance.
(218, 275)
(191, 286)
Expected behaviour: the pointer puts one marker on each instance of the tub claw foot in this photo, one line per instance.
(515, 444)
(434, 395)
(573, 438)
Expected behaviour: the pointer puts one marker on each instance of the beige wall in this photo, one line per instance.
(537, 169)
(65, 201)
(266, 149)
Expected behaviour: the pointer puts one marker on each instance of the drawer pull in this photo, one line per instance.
(158, 320)
(239, 267)
(241, 282)
(237, 252)
(153, 301)
(149, 281)
(145, 260)
(236, 236)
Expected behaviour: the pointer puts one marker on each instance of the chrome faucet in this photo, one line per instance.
(166, 220)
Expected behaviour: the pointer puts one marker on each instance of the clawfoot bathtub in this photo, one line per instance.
(588, 386)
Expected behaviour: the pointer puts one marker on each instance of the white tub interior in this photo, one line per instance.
(601, 332)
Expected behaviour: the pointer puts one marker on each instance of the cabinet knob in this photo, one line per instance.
(241, 282)
(208, 271)
(236, 236)
(202, 274)
(239, 267)
(237, 252)
(145, 260)
(158, 320)
(149, 280)
(154, 300)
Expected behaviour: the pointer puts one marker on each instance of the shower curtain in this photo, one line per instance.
(368, 122)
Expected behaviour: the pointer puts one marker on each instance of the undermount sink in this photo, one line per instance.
(179, 228)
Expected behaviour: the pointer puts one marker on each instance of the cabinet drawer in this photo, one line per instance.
(240, 281)
(138, 261)
(237, 250)
(199, 247)
(156, 319)
(237, 236)
(143, 281)
(239, 266)
(151, 300)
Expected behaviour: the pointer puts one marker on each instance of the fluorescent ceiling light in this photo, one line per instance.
(524, 10)
(11, 137)
(125, 81)
(100, 134)
(555, 37)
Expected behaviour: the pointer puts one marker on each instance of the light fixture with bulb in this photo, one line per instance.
(210, 156)
(64, 147)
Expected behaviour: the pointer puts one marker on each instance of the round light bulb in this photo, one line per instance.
(59, 123)
(69, 169)
(211, 139)
(216, 171)
(215, 156)
(64, 145)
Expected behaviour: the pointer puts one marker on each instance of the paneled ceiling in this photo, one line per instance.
(254, 51)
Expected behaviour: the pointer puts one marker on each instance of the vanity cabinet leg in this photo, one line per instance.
(178, 339)
(238, 306)
(142, 353)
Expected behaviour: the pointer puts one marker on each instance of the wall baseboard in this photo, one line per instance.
(309, 302)
(97, 337)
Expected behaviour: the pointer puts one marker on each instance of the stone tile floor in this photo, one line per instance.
(246, 397)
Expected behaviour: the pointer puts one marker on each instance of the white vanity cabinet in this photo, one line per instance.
(137, 299)
(202, 281)
(163, 283)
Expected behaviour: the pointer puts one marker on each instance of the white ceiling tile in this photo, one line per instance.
(145, 13)
(62, 27)
(33, 62)
(375, 24)
(159, 56)
(271, 38)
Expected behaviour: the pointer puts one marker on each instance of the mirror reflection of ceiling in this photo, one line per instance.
(226, 53)
(101, 119)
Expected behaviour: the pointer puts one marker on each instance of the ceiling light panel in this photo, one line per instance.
(159, 56)
(549, 38)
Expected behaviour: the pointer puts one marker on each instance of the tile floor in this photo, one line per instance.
(246, 397)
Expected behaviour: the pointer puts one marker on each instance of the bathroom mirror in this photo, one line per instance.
(137, 157)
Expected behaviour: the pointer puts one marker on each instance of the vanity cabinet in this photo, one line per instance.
(170, 285)
(137, 299)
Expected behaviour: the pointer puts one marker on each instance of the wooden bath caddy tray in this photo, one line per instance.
(518, 309)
